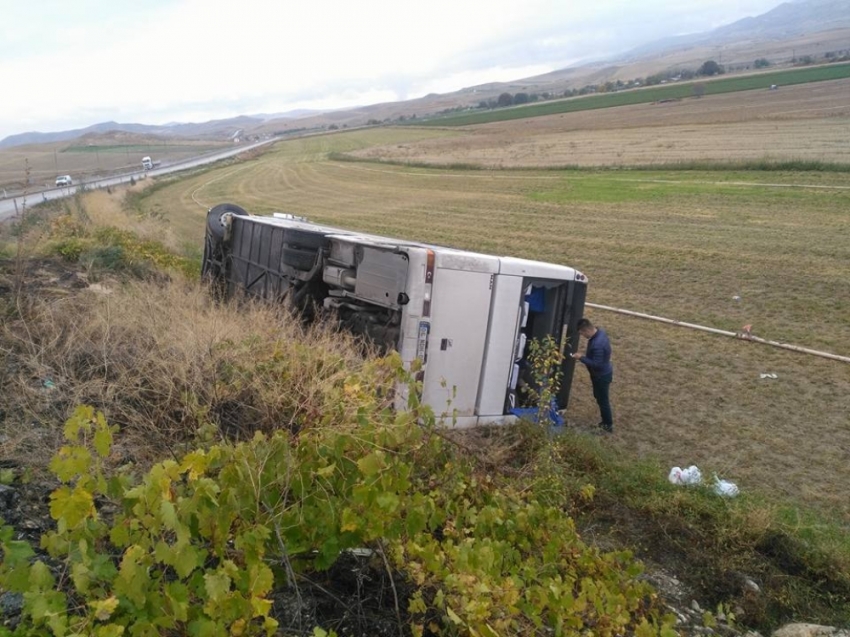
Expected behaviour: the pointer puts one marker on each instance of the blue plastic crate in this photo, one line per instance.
(530, 413)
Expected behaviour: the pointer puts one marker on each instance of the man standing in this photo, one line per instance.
(597, 359)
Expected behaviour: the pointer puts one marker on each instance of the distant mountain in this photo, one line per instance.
(788, 20)
(214, 129)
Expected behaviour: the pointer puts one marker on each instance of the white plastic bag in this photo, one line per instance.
(725, 488)
(675, 475)
(690, 475)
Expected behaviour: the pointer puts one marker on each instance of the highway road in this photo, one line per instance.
(14, 205)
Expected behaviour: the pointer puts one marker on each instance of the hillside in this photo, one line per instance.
(788, 21)
(212, 130)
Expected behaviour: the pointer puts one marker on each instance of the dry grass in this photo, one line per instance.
(764, 140)
(112, 209)
(99, 209)
(161, 360)
(692, 398)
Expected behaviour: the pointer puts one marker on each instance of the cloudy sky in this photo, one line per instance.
(68, 64)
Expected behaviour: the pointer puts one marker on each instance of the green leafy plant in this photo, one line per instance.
(199, 544)
(545, 358)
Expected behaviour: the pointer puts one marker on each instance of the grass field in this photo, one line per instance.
(651, 94)
(678, 244)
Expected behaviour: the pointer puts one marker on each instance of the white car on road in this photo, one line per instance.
(64, 180)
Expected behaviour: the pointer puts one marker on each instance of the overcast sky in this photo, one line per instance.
(71, 63)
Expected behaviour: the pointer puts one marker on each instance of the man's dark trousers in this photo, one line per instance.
(601, 385)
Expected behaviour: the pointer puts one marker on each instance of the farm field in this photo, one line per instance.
(709, 86)
(679, 244)
(808, 122)
(106, 154)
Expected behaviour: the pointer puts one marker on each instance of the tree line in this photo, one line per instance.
(709, 68)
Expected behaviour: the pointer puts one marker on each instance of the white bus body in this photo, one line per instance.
(469, 317)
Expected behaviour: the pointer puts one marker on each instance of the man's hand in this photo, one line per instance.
(575, 356)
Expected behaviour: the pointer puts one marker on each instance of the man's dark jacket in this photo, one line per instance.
(598, 355)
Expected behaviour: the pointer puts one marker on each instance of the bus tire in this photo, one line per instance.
(216, 216)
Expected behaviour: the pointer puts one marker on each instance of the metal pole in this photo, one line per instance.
(713, 330)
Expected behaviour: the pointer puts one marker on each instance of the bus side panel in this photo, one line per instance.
(460, 312)
(505, 311)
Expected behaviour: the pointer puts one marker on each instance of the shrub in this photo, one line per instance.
(201, 542)
(709, 68)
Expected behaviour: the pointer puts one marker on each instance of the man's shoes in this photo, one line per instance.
(607, 429)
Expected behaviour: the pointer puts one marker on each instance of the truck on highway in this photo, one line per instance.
(64, 180)
(468, 317)
(149, 164)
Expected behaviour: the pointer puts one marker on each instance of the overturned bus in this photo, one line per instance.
(468, 317)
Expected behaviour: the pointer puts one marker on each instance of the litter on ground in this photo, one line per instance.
(690, 475)
(725, 488)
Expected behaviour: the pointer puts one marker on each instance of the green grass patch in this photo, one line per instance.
(706, 187)
(648, 95)
(122, 250)
(763, 165)
(110, 250)
(339, 156)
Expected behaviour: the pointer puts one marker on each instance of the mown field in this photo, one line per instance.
(710, 86)
(680, 244)
(797, 123)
